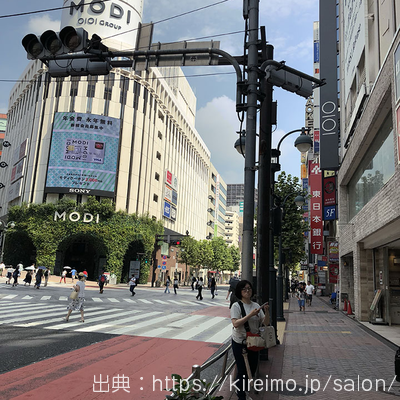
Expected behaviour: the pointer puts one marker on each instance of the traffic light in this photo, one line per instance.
(51, 43)
(78, 67)
(175, 242)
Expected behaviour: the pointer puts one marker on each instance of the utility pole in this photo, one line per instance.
(251, 12)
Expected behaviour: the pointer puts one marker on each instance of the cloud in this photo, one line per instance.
(39, 24)
(217, 124)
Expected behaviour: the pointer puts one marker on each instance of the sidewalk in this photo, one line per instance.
(328, 355)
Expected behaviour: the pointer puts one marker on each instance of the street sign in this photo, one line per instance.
(164, 267)
(169, 60)
(159, 267)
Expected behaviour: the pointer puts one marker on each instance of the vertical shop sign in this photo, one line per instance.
(316, 224)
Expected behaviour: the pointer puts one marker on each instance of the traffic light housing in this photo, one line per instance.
(51, 43)
(175, 242)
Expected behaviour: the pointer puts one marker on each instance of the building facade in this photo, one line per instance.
(129, 136)
(369, 175)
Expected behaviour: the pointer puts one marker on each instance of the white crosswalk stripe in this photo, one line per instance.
(118, 321)
(145, 301)
(112, 300)
(177, 301)
(130, 301)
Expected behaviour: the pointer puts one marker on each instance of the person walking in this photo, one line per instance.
(231, 291)
(15, 275)
(309, 291)
(73, 274)
(193, 281)
(132, 285)
(102, 281)
(2, 268)
(199, 289)
(46, 275)
(213, 285)
(176, 284)
(167, 283)
(39, 275)
(254, 317)
(301, 298)
(78, 302)
(9, 275)
(28, 278)
(64, 276)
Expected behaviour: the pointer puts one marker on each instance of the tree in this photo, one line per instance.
(205, 254)
(235, 254)
(221, 257)
(293, 224)
(189, 253)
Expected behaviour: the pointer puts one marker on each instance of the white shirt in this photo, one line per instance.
(309, 289)
(239, 333)
(81, 285)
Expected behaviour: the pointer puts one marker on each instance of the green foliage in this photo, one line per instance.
(111, 237)
(235, 254)
(293, 225)
(214, 254)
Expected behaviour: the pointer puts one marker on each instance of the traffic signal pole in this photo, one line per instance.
(251, 11)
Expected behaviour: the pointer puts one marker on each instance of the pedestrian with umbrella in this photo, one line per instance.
(64, 276)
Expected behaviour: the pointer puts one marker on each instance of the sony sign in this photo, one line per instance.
(75, 216)
(115, 19)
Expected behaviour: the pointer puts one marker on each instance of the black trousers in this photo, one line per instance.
(199, 295)
(241, 377)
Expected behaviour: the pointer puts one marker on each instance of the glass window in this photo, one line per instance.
(376, 168)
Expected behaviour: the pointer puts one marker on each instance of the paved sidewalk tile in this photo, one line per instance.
(327, 351)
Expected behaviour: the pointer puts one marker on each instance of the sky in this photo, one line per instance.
(289, 28)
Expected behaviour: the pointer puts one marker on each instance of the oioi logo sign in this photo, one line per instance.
(105, 18)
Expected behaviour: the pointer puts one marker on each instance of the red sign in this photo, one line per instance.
(330, 191)
(169, 178)
(316, 223)
(333, 273)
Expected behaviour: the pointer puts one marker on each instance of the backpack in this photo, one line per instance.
(102, 278)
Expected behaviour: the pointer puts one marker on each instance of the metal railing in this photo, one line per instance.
(216, 383)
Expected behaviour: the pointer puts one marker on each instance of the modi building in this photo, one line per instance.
(127, 136)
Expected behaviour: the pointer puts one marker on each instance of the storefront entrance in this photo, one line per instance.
(81, 252)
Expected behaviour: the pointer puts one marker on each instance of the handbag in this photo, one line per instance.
(269, 336)
(254, 341)
(73, 295)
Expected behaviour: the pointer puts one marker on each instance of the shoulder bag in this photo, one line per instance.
(254, 342)
(73, 295)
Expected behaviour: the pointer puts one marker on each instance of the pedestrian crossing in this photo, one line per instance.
(117, 321)
(115, 300)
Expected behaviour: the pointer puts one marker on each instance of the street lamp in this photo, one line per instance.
(303, 143)
(4, 228)
(299, 201)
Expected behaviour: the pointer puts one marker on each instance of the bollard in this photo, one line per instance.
(345, 305)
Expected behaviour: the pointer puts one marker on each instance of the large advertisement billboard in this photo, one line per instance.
(83, 154)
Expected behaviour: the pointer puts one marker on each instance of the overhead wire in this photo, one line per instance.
(42, 11)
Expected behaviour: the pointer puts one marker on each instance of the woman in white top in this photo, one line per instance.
(199, 289)
(78, 303)
(255, 317)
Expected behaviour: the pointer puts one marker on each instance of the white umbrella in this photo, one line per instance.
(31, 268)
(67, 267)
